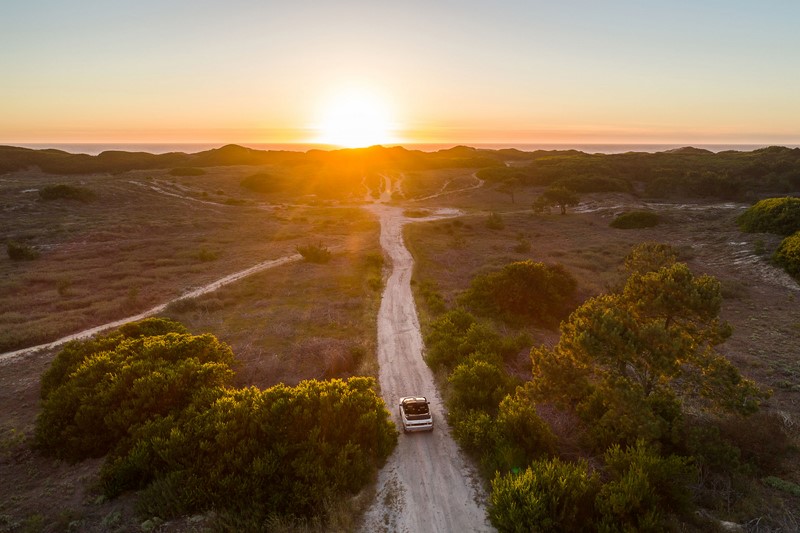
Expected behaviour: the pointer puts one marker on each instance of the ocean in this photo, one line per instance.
(162, 148)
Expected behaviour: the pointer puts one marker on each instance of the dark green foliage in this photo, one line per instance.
(457, 334)
(314, 253)
(556, 196)
(526, 436)
(187, 171)
(495, 221)
(21, 252)
(772, 215)
(631, 360)
(635, 220)
(264, 183)
(110, 393)
(75, 353)
(477, 384)
(644, 489)
(588, 184)
(550, 495)
(284, 450)
(649, 257)
(523, 291)
(67, 192)
(788, 255)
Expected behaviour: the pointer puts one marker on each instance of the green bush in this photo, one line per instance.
(635, 220)
(314, 253)
(523, 291)
(21, 252)
(772, 215)
(75, 353)
(644, 490)
(495, 221)
(284, 450)
(521, 426)
(788, 255)
(263, 183)
(187, 171)
(456, 335)
(550, 495)
(109, 394)
(67, 192)
(477, 384)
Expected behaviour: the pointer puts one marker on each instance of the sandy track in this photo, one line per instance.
(85, 334)
(426, 485)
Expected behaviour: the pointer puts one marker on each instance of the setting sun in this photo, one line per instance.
(354, 119)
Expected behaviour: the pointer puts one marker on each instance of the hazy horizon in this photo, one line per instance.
(356, 72)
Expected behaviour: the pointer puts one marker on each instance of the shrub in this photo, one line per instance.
(478, 384)
(521, 427)
(772, 215)
(457, 334)
(263, 183)
(550, 495)
(21, 252)
(635, 220)
(314, 253)
(111, 393)
(645, 488)
(75, 353)
(495, 221)
(187, 171)
(284, 450)
(649, 257)
(67, 192)
(788, 255)
(523, 290)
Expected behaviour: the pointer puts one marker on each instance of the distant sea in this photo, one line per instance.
(190, 148)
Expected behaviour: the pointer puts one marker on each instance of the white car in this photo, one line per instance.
(415, 414)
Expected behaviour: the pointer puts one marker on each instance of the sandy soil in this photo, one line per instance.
(426, 485)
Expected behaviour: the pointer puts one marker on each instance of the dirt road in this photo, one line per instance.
(426, 484)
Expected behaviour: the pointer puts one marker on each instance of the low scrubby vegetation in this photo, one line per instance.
(635, 220)
(18, 251)
(788, 255)
(67, 192)
(635, 385)
(524, 290)
(156, 402)
(187, 171)
(314, 253)
(772, 215)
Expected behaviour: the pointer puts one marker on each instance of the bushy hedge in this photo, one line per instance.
(523, 290)
(187, 171)
(788, 255)
(111, 393)
(154, 400)
(21, 252)
(284, 450)
(67, 192)
(263, 183)
(635, 220)
(772, 215)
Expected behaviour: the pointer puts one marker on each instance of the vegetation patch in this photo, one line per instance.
(314, 253)
(635, 220)
(160, 409)
(67, 192)
(523, 290)
(788, 255)
(18, 251)
(187, 171)
(772, 215)
(263, 183)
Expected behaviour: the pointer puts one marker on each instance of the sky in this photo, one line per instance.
(467, 71)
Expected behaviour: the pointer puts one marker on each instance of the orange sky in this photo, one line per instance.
(462, 72)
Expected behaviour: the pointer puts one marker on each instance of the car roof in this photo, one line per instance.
(413, 399)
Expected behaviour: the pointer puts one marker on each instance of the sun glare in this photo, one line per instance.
(355, 119)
